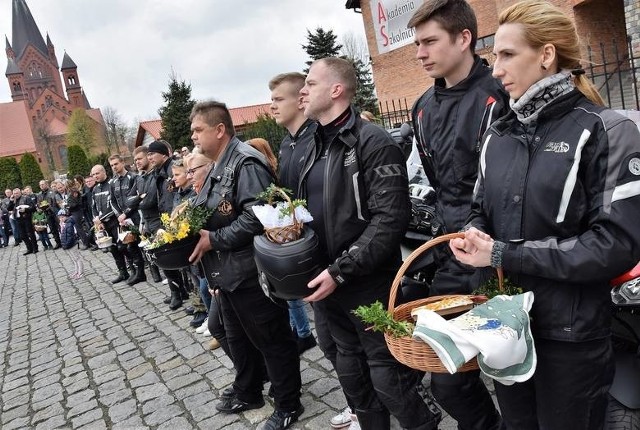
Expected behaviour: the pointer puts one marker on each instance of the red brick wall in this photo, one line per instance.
(398, 75)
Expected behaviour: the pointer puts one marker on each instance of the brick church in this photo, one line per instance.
(44, 94)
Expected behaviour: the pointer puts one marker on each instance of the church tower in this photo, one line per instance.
(32, 67)
(45, 93)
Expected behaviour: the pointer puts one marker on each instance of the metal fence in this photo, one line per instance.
(615, 74)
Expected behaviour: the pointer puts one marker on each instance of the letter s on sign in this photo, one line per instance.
(384, 36)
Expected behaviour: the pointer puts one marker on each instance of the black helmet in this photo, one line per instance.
(285, 269)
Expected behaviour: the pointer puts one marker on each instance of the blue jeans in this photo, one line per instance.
(204, 292)
(15, 230)
(298, 318)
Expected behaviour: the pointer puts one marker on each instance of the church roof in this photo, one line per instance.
(12, 67)
(15, 131)
(25, 30)
(67, 62)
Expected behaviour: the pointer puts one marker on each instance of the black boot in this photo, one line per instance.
(122, 276)
(155, 273)
(138, 275)
(176, 299)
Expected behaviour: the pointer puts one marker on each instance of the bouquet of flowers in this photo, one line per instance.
(185, 220)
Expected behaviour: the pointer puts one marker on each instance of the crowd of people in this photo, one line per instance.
(524, 158)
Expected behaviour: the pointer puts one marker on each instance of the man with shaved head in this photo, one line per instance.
(104, 216)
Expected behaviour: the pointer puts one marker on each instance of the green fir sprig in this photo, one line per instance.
(382, 320)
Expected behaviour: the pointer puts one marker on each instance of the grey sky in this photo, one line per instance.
(226, 49)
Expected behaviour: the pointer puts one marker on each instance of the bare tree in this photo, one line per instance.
(355, 47)
(43, 135)
(117, 131)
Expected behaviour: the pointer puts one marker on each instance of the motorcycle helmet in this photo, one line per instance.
(284, 270)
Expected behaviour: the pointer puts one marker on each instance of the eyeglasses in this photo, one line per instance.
(192, 170)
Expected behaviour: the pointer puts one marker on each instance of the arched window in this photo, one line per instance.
(71, 79)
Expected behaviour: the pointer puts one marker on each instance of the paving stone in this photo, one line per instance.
(19, 412)
(177, 423)
(50, 411)
(158, 403)
(52, 423)
(96, 425)
(132, 423)
(8, 386)
(196, 388)
(111, 399)
(183, 381)
(322, 386)
(148, 378)
(122, 411)
(102, 360)
(77, 386)
(45, 392)
(47, 380)
(47, 401)
(86, 418)
(199, 399)
(109, 376)
(150, 392)
(112, 386)
(81, 408)
(163, 415)
(140, 370)
(79, 398)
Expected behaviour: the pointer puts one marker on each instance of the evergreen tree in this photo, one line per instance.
(321, 44)
(78, 162)
(365, 98)
(103, 159)
(81, 130)
(30, 171)
(176, 127)
(9, 174)
(266, 128)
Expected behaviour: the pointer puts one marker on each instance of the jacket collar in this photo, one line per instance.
(440, 86)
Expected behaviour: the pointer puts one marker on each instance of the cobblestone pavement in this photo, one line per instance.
(87, 354)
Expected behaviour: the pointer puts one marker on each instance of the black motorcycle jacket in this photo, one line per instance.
(102, 202)
(120, 188)
(564, 195)
(366, 205)
(443, 119)
(240, 174)
(151, 196)
(292, 155)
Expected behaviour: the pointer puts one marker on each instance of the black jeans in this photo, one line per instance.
(28, 234)
(256, 327)
(568, 391)
(371, 378)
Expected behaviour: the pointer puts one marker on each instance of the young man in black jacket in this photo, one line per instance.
(355, 183)
(449, 120)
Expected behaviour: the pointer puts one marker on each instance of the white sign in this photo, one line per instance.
(390, 18)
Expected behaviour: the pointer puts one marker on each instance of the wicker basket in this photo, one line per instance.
(126, 236)
(287, 233)
(416, 353)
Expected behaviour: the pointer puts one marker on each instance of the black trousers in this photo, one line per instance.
(371, 378)
(54, 226)
(568, 391)
(256, 327)
(28, 234)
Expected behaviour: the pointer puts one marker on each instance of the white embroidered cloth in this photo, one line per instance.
(498, 332)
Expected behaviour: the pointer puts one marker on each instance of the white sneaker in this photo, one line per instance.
(203, 326)
(165, 281)
(343, 419)
(206, 333)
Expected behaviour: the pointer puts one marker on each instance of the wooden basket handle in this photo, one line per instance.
(417, 253)
(287, 199)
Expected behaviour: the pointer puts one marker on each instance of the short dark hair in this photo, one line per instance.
(214, 113)
(454, 16)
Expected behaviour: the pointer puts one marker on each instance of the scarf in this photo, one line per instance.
(540, 95)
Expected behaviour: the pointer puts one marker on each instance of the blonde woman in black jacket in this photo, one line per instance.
(555, 205)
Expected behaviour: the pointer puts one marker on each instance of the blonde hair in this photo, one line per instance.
(543, 23)
(263, 146)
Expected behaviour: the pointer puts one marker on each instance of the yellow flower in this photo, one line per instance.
(183, 231)
(165, 219)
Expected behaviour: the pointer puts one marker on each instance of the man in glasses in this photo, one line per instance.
(257, 329)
